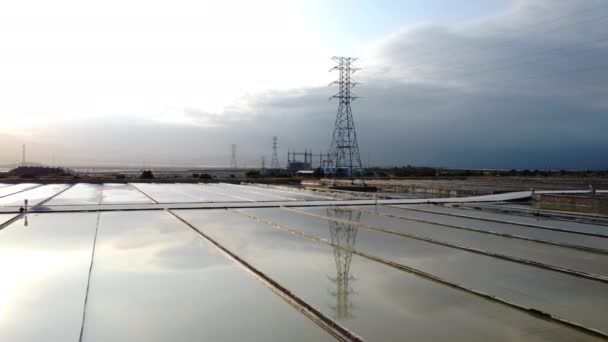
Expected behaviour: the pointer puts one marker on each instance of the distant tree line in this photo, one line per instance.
(201, 175)
(422, 171)
(37, 171)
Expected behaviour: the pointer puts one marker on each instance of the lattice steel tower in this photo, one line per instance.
(274, 164)
(233, 159)
(344, 147)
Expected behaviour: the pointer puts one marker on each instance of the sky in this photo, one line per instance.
(464, 84)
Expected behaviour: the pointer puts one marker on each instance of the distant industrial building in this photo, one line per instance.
(309, 162)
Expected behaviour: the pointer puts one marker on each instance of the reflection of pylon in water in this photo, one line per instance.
(343, 234)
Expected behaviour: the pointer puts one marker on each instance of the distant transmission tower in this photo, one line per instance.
(23, 160)
(344, 147)
(233, 160)
(274, 164)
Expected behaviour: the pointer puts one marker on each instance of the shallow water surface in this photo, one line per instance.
(504, 228)
(593, 263)
(45, 265)
(155, 279)
(79, 194)
(34, 196)
(376, 301)
(114, 193)
(576, 299)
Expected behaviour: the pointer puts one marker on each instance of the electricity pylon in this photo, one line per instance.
(274, 164)
(344, 149)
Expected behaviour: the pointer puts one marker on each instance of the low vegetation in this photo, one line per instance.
(146, 174)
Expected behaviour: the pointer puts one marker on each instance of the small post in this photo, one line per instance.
(25, 205)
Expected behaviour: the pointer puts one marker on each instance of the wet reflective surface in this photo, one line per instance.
(85, 194)
(576, 299)
(5, 191)
(593, 263)
(182, 193)
(233, 191)
(168, 193)
(543, 221)
(5, 218)
(155, 279)
(269, 195)
(122, 193)
(562, 237)
(585, 205)
(81, 193)
(295, 193)
(44, 275)
(376, 301)
(34, 196)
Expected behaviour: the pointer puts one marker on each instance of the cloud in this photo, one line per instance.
(517, 90)
(525, 88)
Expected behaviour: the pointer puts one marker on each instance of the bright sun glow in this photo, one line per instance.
(23, 270)
(148, 58)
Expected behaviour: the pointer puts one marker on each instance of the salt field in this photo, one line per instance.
(234, 262)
